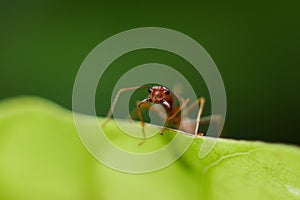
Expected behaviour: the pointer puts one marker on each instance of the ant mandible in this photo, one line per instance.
(163, 96)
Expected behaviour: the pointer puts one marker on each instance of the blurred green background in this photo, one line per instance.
(255, 45)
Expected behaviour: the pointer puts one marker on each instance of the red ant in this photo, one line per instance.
(175, 119)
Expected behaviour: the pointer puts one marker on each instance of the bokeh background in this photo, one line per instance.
(255, 45)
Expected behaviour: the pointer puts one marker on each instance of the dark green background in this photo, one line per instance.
(255, 45)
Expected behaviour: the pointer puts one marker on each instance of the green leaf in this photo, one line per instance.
(42, 157)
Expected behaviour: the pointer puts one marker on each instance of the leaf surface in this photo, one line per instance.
(42, 157)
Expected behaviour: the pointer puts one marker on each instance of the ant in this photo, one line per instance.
(175, 119)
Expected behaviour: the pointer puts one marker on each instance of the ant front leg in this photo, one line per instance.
(160, 112)
(138, 106)
(110, 112)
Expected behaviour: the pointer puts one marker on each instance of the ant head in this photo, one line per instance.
(160, 95)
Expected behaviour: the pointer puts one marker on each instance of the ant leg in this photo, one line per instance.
(160, 112)
(138, 104)
(218, 119)
(179, 109)
(174, 114)
(204, 120)
(179, 97)
(201, 101)
(109, 114)
(163, 130)
(191, 107)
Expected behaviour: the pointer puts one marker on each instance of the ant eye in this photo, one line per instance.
(149, 90)
(167, 92)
